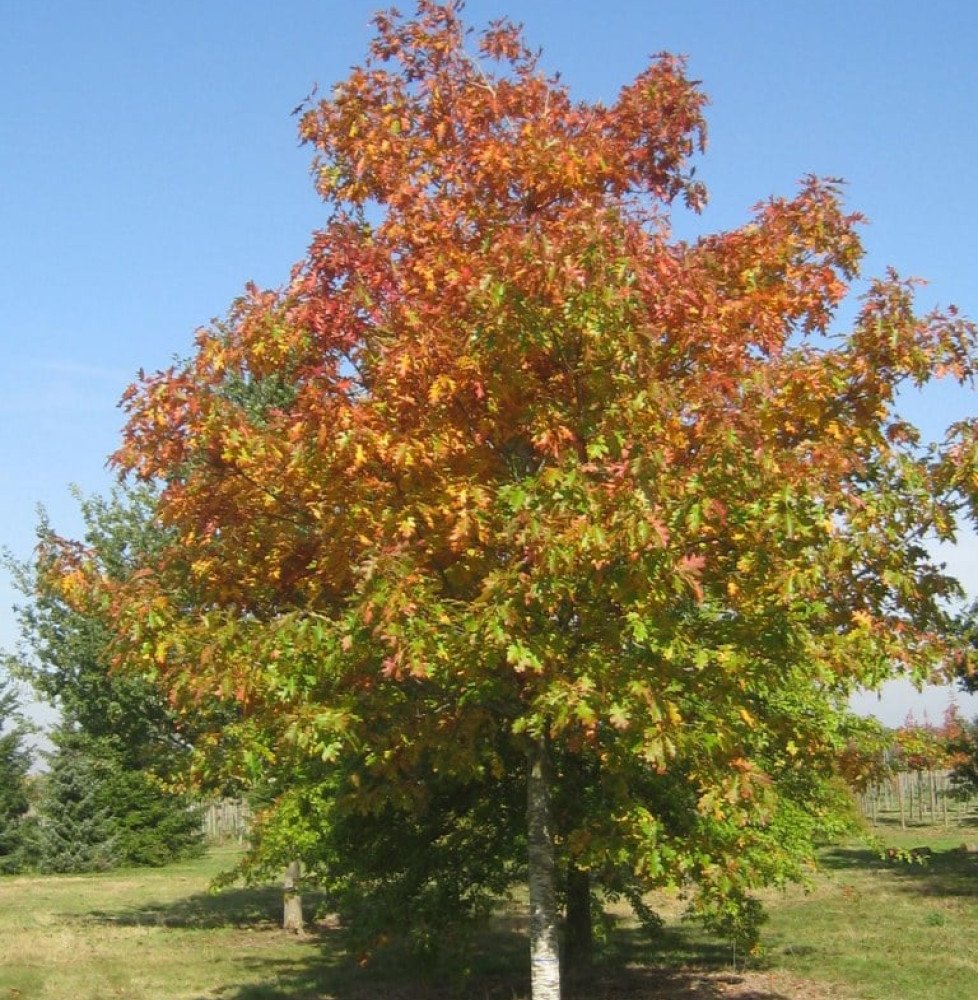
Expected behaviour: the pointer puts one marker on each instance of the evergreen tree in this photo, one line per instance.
(154, 825)
(14, 804)
(121, 744)
(64, 655)
(97, 811)
(77, 832)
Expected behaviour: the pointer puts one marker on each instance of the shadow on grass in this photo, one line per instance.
(938, 873)
(242, 908)
(685, 946)
(629, 965)
(312, 979)
(677, 963)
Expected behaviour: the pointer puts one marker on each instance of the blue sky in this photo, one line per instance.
(149, 167)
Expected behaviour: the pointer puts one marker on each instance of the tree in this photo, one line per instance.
(15, 762)
(519, 475)
(964, 760)
(63, 654)
(154, 823)
(76, 831)
(427, 875)
(118, 730)
(961, 736)
(98, 812)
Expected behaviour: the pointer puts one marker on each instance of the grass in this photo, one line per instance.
(869, 929)
(143, 935)
(886, 929)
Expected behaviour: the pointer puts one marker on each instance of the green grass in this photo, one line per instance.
(886, 929)
(145, 935)
(869, 928)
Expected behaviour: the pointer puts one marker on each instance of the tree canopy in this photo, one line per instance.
(506, 470)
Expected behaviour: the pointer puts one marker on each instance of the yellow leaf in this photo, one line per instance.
(441, 387)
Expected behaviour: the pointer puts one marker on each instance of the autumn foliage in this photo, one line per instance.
(504, 460)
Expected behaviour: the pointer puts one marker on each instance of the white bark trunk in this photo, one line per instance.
(544, 947)
(292, 910)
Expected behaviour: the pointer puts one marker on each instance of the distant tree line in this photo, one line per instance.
(917, 768)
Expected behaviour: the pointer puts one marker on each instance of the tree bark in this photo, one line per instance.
(544, 944)
(292, 910)
(578, 926)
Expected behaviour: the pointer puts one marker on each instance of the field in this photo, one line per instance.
(869, 929)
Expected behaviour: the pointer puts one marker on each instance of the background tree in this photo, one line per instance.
(428, 877)
(96, 812)
(76, 829)
(119, 742)
(534, 481)
(920, 746)
(63, 655)
(15, 760)
(870, 755)
(964, 760)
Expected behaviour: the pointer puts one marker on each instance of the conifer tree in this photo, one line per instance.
(121, 729)
(97, 812)
(15, 761)
(77, 832)
(154, 824)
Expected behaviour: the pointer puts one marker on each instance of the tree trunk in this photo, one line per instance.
(544, 948)
(578, 928)
(292, 911)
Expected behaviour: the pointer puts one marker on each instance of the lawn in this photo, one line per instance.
(147, 934)
(885, 930)
(869, 929)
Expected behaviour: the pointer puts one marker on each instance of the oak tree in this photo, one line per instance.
(506, 470)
